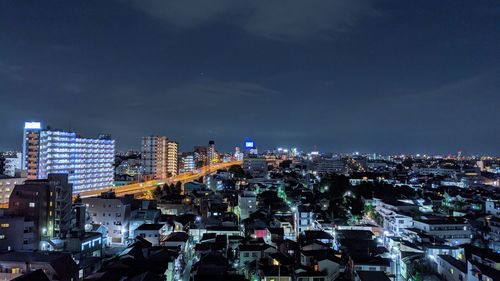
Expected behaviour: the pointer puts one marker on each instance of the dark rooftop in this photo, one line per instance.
(460, 265)
(150, 226)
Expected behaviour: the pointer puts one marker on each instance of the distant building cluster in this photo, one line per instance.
(74, 209)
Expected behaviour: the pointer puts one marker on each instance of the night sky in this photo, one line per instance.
(341, 75)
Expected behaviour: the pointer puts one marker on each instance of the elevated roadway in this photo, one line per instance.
(144, 187)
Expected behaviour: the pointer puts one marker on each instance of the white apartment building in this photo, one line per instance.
(159, 157)
(393, 213)
(493, 207)
(395, 223)
(247, 204)
(12, 165)
(454, 230)
(112, 214)
(88, 162)
(304, 219)
(153, 232)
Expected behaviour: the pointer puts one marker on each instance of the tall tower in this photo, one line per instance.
(159, 157)
(211, 154)
(31, 149)
(172, 158)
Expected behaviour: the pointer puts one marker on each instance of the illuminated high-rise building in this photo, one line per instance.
(238, 155)
(187, 163)
(31, 146)
(88, 162)
(211, 153)
(200, 156)
(172, 158)
(159, 157)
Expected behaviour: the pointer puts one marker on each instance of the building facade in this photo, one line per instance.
(257, 167)
(159, 157)
(113, 214)
(455, 231)
(12, 164)
(6, 187)
(247, 204)
(31, 146)
(211, 153)
(47, 203)
(187, 163)
(88, 162)
(17, 233)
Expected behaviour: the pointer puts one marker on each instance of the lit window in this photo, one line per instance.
(32, 204)
(2, 237)
(4, 225)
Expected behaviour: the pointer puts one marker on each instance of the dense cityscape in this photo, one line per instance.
(261, 140)
(76, 209)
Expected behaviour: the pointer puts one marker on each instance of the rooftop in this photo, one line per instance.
(150, 226)
(460, 265)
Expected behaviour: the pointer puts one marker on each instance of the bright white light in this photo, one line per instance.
(33, 125)
(249, 144)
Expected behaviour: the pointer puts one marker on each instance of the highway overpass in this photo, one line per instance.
(143, 187)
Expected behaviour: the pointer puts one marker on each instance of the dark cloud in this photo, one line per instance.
(282, 19)
(423, 77)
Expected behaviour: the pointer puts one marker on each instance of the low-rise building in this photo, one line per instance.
(247, 204)
(493, 207)
(153, 232)
(451, 268)
(304, 219)
(113, 214)
(455, 231)
(57, 266)
(17, 233)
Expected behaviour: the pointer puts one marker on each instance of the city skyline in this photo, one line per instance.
(264, 148)
(368, 76)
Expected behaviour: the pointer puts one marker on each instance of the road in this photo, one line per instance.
(187, 270)
(137, 188)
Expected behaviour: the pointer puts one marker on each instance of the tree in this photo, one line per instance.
(178, 188)
(417, 277)
(369, 211)
(165, 190)
(158, 192)
(285, 164)
(236, 171)
(420, 269)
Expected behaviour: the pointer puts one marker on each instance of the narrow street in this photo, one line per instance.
(187, 270)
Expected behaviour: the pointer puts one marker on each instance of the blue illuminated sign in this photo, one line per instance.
(249, 144)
